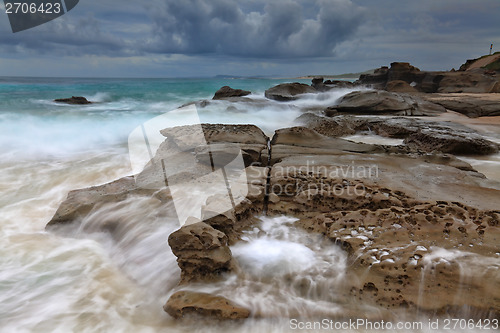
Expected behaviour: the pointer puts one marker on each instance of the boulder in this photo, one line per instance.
(226, 92)
(73, 100)
(383, 103)
(288, 91)
(202, 252)
(188, 303)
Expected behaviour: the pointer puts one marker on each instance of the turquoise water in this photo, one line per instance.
(32, 124)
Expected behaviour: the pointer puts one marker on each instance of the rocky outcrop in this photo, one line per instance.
(471, 105)
(419, 135)
(202, 252)
(79, 203)
(430, 82)
(400, 86)
(393, 210)
(288, 91)
(382, 103)
(227, 92)
(446, 140)
(78, 100)
(403, 255)
(184, 304)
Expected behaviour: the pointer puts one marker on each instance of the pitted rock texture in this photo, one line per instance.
(188, 304)
(202, 252)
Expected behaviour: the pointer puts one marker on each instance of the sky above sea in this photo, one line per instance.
(281, 38)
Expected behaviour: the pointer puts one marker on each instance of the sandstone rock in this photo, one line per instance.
(226, 92)
(395, 258)
(400, 86)
(188, 303)
(430, 82)
(444, 137)
(297, 141)
(73, 100)
(202, 252)
(288, 91)
(471, 105)
(448, 141)
(79, 203)
(382, 102)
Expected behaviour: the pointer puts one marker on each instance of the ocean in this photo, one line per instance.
(90, 282)
(95, 281)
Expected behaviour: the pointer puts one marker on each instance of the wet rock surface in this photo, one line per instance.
(190, 304)
(413, 219)
(227, 92)
(202, 252)
(383, 103)
(288, 91)
(78, 100)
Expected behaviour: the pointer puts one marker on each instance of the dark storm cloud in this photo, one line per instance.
(283, 28)
(242, 28)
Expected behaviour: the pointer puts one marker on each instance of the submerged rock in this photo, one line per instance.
(189, 303)
(288, 91)
(73, 100)
(226, 92)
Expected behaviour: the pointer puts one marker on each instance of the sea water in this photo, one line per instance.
(90, 279)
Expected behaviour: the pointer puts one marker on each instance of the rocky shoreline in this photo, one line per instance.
(419, 226)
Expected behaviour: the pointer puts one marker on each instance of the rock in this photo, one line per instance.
(202, 252)
(383, 102)
(397, 254)
(400, 86)
(471, 105)
(430, 82)
(73, 100)
(288, 91)
(443, 137)
(447, 140)
(296, 141)
(227, 91)
(188, 303)
(79, 203)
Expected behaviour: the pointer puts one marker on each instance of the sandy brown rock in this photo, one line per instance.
(202, 252)
(79, 203)
(400, 256)
(376, 102)
(400, 86)
(189, 303)
(471, 105)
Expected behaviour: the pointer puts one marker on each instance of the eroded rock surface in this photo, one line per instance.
(378, 102)
(288, 91)
(189, 303)
(202, 252)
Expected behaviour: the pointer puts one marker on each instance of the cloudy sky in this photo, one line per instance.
(187, 38)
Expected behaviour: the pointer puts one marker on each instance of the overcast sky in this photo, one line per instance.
(186, 38)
